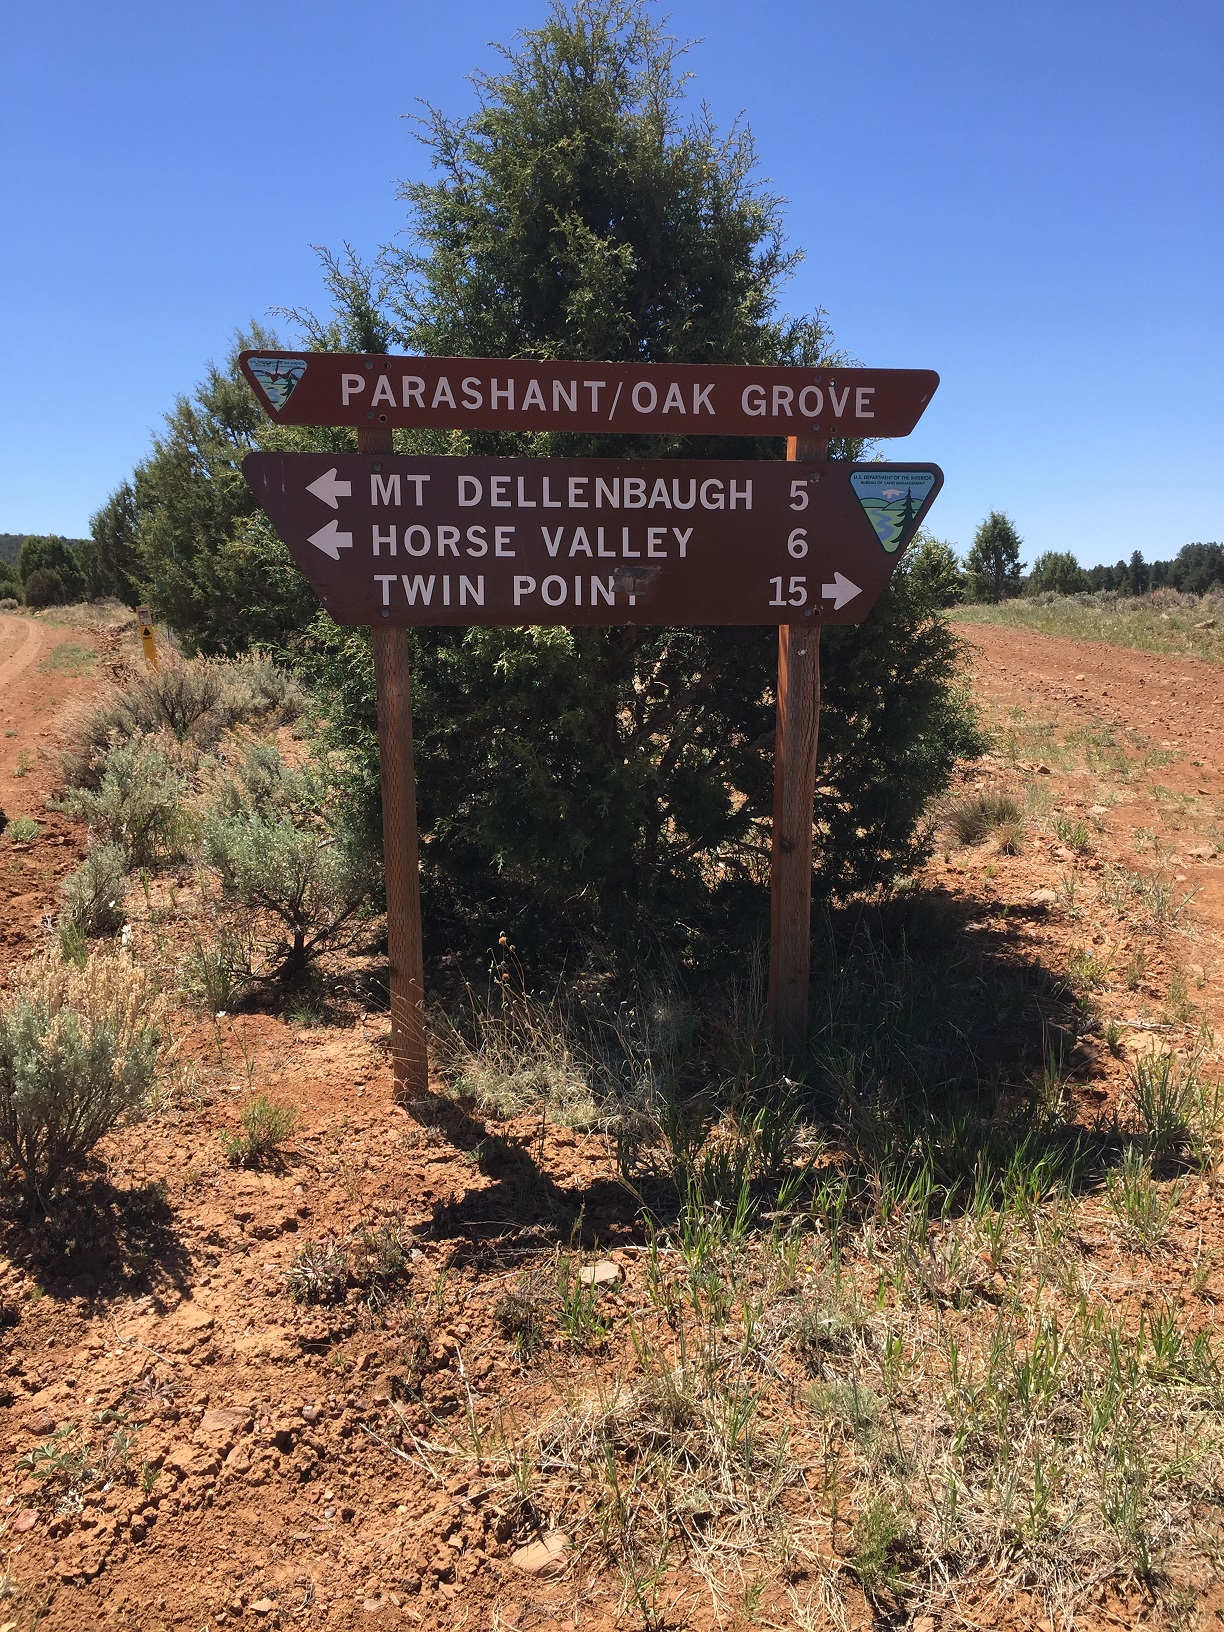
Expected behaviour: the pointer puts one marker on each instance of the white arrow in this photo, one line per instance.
(331, 540)
(329, 489)
(839, 591)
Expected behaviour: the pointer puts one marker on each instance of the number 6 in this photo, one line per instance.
(797, 543)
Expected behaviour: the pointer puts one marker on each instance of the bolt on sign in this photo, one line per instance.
(682, 399)
(591, 541)
(390, 541)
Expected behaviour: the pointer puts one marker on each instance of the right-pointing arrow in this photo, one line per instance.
(331, 540)
(839, 591)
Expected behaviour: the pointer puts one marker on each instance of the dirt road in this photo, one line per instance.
(1178, 702)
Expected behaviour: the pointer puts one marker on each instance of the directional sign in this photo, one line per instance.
(481, 393)
(391, 539)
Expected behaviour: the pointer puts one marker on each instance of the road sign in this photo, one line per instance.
(411, 541)
(481, 393)
(147, 638)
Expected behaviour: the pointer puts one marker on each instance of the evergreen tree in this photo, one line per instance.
(114, 532)
(50, 572)
(993, 562)
(603, 781)
(1056, 572)
(935, 570)
(1196, 568)
(1137, 576)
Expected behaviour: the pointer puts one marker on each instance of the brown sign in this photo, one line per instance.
(480, 393)
(393, 539)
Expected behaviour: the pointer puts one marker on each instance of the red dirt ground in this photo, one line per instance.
(277, 1501)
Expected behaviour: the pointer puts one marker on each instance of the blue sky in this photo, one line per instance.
(1025, 197)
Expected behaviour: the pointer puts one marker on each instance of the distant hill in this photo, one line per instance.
(10, 546)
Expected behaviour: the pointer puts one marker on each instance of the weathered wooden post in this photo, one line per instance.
(790, 878)
(401, 867)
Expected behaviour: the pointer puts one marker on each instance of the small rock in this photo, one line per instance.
(222, 1422)
(39, 1422)
(543, 1557)
(924, 1623)
(1044, 770)
(25, 1520)
(1081, 677)
(372, 1605)
(1043, 898)
(1098, 810)
(137, 1531)
(603, 1273)
(261, 1606)
(1203, 852)
(311, 1413)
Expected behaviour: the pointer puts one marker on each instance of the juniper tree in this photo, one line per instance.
(993, 562)
(601, 780)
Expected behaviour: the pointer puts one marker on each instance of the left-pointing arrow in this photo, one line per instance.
(331, 540)
(330, 489)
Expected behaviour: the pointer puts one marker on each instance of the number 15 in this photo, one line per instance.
(797, 596)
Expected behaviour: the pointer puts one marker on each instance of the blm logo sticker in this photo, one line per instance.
(277, 376)
(892, 500)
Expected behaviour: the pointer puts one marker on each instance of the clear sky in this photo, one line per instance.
(1025, 197)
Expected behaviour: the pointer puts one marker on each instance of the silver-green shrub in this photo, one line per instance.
(79, 1048)
(195, 701)
(284, 851)
(137, 803)
(93, 896)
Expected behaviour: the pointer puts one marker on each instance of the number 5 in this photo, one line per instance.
(799, 495)
(798, 591)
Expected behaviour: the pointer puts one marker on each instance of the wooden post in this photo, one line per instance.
(790, 883)
(393, 688)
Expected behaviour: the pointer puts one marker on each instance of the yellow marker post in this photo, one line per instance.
(146, 635)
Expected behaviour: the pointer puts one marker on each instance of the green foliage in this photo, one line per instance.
(93, 895)
(596, 780)
(265, 1125)
(973, 818)
(113, 530)
(993, 563)
(50, 572)
(215, 572)
(10, 583)
(588, 783)
(1056, 572)
(575, 216)
(318, 1273)
(280, 841)
(137, 804)
(194, 701)
(935, 571)
(78, 1052)
(22, 830)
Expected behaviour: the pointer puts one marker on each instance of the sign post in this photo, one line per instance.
(401, 865)
(790, 869)
(394, 541)
(147, 638)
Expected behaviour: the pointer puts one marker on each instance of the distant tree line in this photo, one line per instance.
(53, 571)
(992, 570)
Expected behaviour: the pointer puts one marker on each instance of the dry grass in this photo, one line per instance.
(1165, 621)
